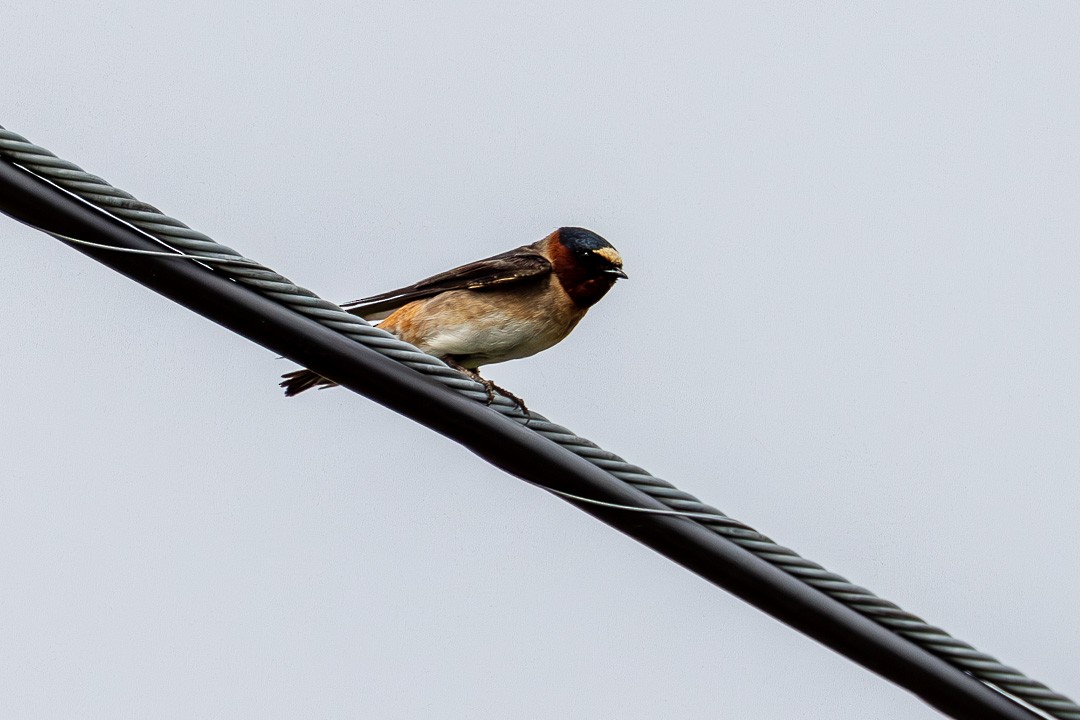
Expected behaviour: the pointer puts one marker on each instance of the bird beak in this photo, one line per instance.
(617, 272)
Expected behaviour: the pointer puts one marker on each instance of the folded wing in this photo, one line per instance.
(497, 271)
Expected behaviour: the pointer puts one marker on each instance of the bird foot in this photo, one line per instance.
(490, 387)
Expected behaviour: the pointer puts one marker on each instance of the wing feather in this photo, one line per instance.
(499, 270)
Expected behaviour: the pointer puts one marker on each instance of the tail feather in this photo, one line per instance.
(298, 381)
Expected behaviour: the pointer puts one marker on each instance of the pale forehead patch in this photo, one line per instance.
(609, 254)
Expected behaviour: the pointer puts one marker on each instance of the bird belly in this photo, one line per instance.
(481, 328)
(492, 340)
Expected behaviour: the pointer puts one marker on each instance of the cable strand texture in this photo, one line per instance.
(187, 241)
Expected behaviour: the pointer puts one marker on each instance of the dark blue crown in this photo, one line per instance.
(580, 239)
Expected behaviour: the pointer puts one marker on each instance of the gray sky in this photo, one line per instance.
(851, 322)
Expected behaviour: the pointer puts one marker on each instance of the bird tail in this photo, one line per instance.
(298, 381)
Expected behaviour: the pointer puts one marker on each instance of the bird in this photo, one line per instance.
(505, 307)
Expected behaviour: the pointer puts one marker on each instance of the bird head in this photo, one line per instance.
(585, 263)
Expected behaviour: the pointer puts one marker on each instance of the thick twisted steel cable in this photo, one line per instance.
(199, 247)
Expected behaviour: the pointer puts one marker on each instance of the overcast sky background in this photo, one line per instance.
(853, 238)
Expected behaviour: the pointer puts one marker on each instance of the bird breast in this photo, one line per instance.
(490, 326)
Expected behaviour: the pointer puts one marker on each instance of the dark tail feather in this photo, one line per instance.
(298, 381)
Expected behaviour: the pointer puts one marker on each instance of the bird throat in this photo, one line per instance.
(586, 293)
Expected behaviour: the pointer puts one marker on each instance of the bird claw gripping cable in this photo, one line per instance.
(199, 247)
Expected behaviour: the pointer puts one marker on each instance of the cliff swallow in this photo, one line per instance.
(504, 307)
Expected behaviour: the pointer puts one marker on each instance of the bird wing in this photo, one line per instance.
(496, 271)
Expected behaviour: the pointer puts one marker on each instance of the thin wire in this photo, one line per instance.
(154, 253)
(631, 508)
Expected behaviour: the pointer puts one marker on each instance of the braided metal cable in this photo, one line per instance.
(183, 239)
